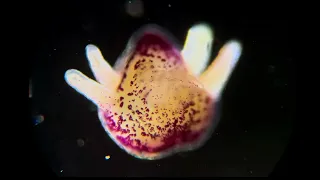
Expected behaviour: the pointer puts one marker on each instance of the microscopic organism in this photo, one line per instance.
(159, 98)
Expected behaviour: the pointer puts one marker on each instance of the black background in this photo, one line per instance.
(258, 105)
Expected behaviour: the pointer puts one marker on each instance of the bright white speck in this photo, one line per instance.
(54, 49)
(107, 157)
(61, 170)
(169, 5)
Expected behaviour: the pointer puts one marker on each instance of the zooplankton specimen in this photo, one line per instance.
(158, 99)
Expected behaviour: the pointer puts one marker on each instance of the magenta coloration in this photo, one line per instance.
(160, 107)
(173, 125)
(177, 135)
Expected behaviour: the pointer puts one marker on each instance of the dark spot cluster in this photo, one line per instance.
(137, 122)
(156, 42)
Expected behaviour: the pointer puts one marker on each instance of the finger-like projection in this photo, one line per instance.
(156, 100)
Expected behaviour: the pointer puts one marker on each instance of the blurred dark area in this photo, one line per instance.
(258, 104)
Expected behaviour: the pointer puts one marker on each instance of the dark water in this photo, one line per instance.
(258, 102)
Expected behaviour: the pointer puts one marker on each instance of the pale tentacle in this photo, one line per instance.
(98, 94)
(101, 69)
(197, 48)
(216, 75)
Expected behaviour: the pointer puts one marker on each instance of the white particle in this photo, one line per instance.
(169, 5)
(54, 49)
(107, 157)
(61, 170)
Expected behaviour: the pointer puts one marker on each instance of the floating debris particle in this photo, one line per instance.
(134, 8)
(107, 157)
(30, 88)
(37, 119)
(80, 142)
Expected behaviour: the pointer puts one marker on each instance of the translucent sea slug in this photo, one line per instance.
(158, 99)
